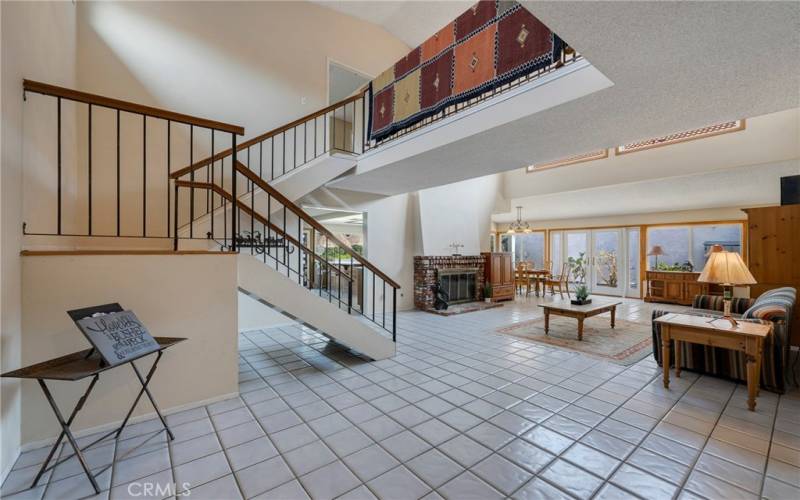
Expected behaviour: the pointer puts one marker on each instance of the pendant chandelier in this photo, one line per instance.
(518, 226)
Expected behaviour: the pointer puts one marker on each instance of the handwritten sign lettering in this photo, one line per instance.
(118, 336)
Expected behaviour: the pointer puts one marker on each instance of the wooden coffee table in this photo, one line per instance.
(570, 310)
(745, 337)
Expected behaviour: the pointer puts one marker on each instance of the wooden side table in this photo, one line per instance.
(746, 337)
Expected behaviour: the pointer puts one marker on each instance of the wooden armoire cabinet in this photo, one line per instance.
(498, 271)
(773, 236)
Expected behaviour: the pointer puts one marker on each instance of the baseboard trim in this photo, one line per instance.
(133, 420)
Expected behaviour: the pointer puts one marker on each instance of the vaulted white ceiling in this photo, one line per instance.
(410, 21)
(675, 66)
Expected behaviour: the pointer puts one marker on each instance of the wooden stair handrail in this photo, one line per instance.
(274, 193)
(131, 107)
(263, 137)
(257, 216)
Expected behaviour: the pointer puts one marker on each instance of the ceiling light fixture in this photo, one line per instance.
(518, 226)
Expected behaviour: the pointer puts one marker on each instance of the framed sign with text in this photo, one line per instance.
(118, 336)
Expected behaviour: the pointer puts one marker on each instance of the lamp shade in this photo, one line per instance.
(726, 268)
(656, 250)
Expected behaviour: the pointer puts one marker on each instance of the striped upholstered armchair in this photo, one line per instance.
(772, 306)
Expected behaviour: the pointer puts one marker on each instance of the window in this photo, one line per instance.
(703, 237)
(691, 244)
(505, 242)
(529, 247)
(570, 160)
(674, 243)
(555, 252)
(689, 135)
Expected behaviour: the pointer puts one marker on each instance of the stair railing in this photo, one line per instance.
(103, 146)
(338, 128)
(292, 241)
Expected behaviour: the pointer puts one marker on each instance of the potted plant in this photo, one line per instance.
(581, 296)
(487, 293)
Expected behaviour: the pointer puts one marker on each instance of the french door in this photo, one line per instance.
(608, 253)
(605, 260)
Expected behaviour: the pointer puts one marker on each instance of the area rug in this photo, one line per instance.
(465, 307)
(625, 344)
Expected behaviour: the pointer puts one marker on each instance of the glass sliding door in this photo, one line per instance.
(633, 289)
(576, 253)
(555, 252)
(607, 255)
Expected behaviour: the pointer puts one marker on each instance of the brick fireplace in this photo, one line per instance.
(455, 268)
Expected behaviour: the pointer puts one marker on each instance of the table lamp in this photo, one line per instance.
(726, 269)
(656, 251)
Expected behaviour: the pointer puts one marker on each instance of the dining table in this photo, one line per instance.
(534, 275)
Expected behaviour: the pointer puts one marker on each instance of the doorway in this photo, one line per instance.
(605, 260)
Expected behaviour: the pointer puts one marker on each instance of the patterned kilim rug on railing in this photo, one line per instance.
(625, 344)
(491, 43)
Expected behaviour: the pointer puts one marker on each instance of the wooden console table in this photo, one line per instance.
(746, 337)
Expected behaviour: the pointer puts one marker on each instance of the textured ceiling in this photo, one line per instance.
(410, 21)
(675, 66)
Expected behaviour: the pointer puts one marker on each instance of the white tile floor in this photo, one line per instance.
(459, 413)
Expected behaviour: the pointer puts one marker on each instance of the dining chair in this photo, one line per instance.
(522, 278)
(561, 281)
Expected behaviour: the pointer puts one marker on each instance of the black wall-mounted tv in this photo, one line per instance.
(790, 190)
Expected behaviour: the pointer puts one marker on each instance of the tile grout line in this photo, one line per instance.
(606, 417)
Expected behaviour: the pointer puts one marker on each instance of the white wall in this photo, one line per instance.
(38, 42)
(196, 298)
(459, 212)
(253, 315)
(257, 64)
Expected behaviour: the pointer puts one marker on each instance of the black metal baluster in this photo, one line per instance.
(384, 302)
(144, 176)
(294, 148)
(394, 314)
(234, 203)
(118, 177)
(373, 296)
(272, 157)
(305, 141)
(58, 100)
(175, 215)
(210, 178)
(169, 170)
(353, 129)
(315, 136)
(299, 240)
(283, 154)
(90, 170)
(191, 178)
(285, 244)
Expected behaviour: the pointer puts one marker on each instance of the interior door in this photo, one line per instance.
(608, 274)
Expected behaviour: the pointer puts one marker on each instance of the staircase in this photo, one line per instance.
(226, 202)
